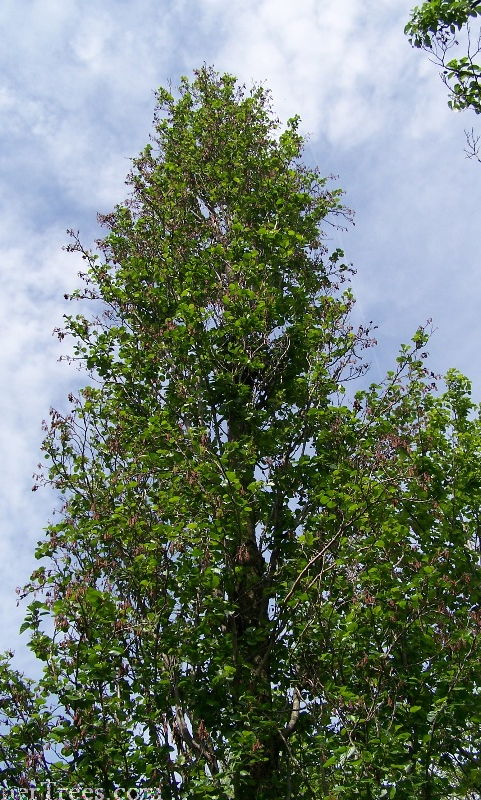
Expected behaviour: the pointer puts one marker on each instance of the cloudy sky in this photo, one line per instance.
(77, 85)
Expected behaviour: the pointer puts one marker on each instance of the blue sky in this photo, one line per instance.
(77, 85)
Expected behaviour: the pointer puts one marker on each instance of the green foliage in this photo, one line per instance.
(436, 26)
(258, 588)
(439, 18)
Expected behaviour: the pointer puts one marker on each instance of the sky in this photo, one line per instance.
(77, 95)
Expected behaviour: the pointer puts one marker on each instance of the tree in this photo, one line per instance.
(261, 584)
(435, 26)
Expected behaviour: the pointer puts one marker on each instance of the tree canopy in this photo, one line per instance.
(444, 28)
(263, 580)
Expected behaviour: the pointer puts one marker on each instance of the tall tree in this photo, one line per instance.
(258, 588)
(444, 28)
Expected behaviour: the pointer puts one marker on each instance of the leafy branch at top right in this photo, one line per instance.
(450, 31)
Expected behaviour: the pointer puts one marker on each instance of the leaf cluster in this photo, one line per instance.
(436, 26)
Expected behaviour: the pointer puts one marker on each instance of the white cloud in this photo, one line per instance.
(339, 63)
